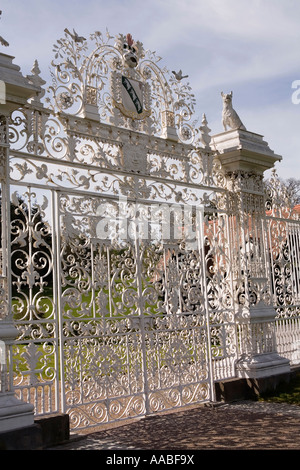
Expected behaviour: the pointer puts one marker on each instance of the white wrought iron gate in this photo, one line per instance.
(134, 331)
(121, 274)
(108, 329)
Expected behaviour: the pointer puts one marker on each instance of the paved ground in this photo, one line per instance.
(239, 426)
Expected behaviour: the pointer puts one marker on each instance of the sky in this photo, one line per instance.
(250, 47)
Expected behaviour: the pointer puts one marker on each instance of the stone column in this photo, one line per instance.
(245, 156)
(16, 90)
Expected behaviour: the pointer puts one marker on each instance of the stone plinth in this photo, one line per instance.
(243, 150)
(14, 413)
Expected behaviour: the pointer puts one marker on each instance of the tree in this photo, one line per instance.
(293, 187)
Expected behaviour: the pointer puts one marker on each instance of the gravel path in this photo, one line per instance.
(244, 425)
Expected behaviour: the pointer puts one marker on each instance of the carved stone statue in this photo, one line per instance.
(229, 116)
(2, 40)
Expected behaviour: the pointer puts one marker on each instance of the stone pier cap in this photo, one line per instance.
(17, 88)
(243, 150)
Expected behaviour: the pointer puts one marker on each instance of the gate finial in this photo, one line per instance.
(37, 81)
(129, 39)
(130, 49)
(205, 130)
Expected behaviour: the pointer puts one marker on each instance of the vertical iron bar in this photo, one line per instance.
(141, 316)
(208, 340)
(55, 283)
(56, 230)
(231, 233)
(6, 262)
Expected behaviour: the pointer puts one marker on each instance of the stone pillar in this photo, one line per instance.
(245, 156)
(17, 90)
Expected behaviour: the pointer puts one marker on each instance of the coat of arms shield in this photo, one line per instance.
(132, 99)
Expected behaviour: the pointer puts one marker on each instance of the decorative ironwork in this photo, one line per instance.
(134, 255)
(116, 321)
(283, 234)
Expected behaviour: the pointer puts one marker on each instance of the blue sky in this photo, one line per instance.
(249, 46)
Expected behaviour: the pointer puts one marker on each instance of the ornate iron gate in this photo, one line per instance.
(134, 331)
(121, 276)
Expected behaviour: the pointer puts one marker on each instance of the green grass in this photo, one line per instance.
(286, 392)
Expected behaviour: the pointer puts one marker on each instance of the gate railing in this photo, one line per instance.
(284, 236)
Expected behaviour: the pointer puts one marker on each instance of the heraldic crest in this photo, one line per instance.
(114, 80)
(132, 94)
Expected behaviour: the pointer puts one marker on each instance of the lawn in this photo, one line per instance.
(288, 392)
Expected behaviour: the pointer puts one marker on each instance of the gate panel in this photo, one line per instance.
(178, 368)
(101, 339)
(284, 237)
(33, 299)
(133, 322)
(220, 296)
(176, 342)
(283, 224)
